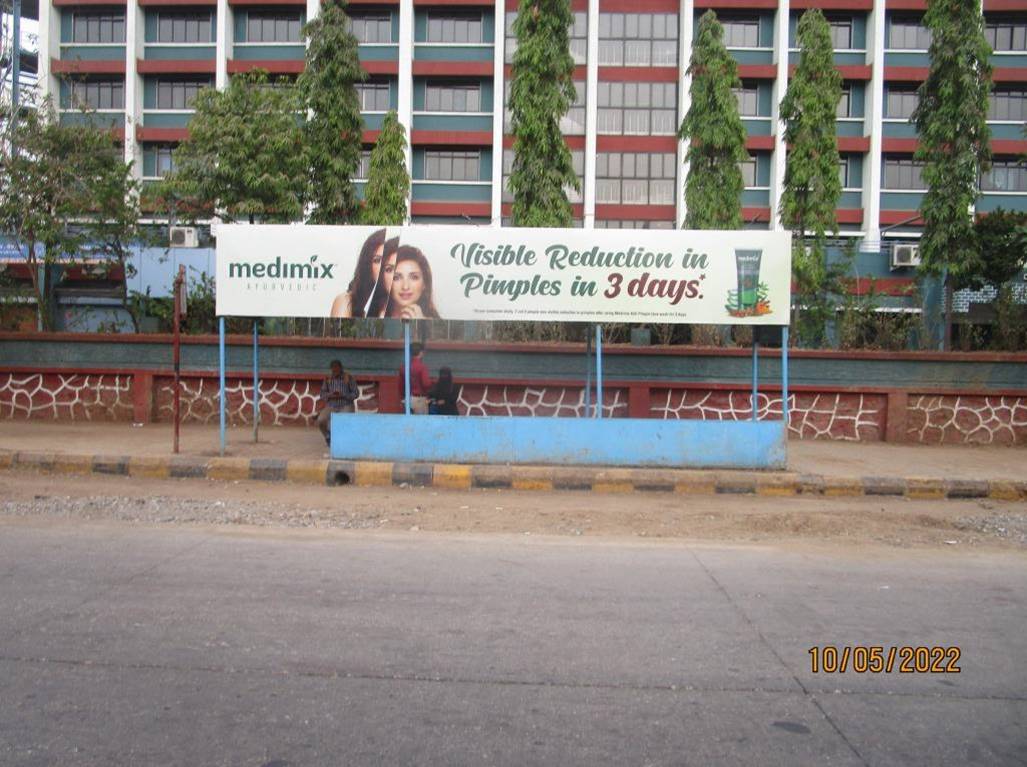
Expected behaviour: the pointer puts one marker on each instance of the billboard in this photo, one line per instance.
(486, 273)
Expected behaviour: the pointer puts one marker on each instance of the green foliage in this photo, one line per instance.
(244, 159)
(1009, 330)
(385, 196)
(65, 194)
(334, 125)
(812, 187)
(951, 120)
(1002, 249)
(862, 326)
(714, 133)
(541, 92)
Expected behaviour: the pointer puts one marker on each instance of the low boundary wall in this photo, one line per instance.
(899, 397)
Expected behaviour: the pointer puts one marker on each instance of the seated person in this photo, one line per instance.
(443, 395)
(339, 392)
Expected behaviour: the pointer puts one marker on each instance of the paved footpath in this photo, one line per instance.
(130, 645)
(298, 455)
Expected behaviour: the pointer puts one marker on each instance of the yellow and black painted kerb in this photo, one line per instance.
(489, 476)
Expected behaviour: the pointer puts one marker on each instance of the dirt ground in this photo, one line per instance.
(848, 522)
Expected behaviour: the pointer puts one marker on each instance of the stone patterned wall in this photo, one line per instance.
(66, 397)
(283, 402)
(839, 416)
(948, 419)
(559, 401)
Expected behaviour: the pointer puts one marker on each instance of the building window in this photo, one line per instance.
(274, 26)
(841, 34)
(452, 97)
(184, 26)
(903, 173)
(578, 37)
(900, 103)
(1008, 104)
(637, 109)
(1005, 176)
(741, 32)
(451, 27)
(638, 39)
(452, 166)
(1006, 35)
(164, 155)
(748, 99)
(371, 27)
(374, 96)
(844, 108)
(364, 169)
(843, 171)
(907, 33)
(748, 169)
(626, 178)
(573, 195)
(97, 94)
(98, 27)
(178, 94)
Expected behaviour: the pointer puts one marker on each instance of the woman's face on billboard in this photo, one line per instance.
(376, 269)
(407, 283)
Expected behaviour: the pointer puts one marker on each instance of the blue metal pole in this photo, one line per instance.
(599, 370)
(221, 380)
(406, 367)
(755, 379)
(784, 377)
(256, 381)
(588, 376)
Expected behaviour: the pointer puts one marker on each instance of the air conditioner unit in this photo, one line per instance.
(184, 237)
(905, 255)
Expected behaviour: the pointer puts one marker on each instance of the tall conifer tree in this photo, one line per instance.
(334, 125)
(541, 92)
(812, 187)
(951, 120)
(714, 134)
(388, 183)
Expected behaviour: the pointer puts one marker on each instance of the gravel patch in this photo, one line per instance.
(1010, 527)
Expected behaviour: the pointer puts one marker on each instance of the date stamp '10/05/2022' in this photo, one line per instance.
(878, 659)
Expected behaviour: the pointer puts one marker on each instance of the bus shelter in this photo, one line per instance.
(426, 273)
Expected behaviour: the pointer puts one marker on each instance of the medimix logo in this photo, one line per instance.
(281, 275)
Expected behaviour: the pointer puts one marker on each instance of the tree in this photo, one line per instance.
(66, 194)
(951, 120)
(1002, 249)
(714, 134)
(244, 158)
(541, 92)
(334, 125)
(812, 187)
(388, 183)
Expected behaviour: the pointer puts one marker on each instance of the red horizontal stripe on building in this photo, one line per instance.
(638, 74)
(577, 209)
(853, 143)
(268, 2)
(487, 3)
(849, 215)
(889, 286)
(66, 3)
(745, 4)
(373, 2)
(576, 5)
(636, 143)
(572, 142)
(899, 144)
(157, 3)
(380, 67)
(455, 68)
(1009, 74)
(756, 215)
(636, 6)
(481, 209)
(273, 66)
(901, 217)
(161, 134)
(765, 143)
(635, 212)
(757, 71)
(1008, 146)
(580, 72)
(84, 67)
(833, 5)
(906, 74)
(451, 138)
(847, 71)
(180, 66)
(370, 136)
(906, 5)
(1005, 5)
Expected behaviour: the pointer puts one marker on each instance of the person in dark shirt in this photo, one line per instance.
(443, 395)
(420, 381)
(339, 392)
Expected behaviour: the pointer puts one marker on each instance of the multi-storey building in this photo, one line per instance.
(444, 66)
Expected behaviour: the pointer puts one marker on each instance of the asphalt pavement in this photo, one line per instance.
(129, 644)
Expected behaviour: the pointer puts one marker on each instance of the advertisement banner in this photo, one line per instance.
(484, 273)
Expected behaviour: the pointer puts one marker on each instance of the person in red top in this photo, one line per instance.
(420, 381)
